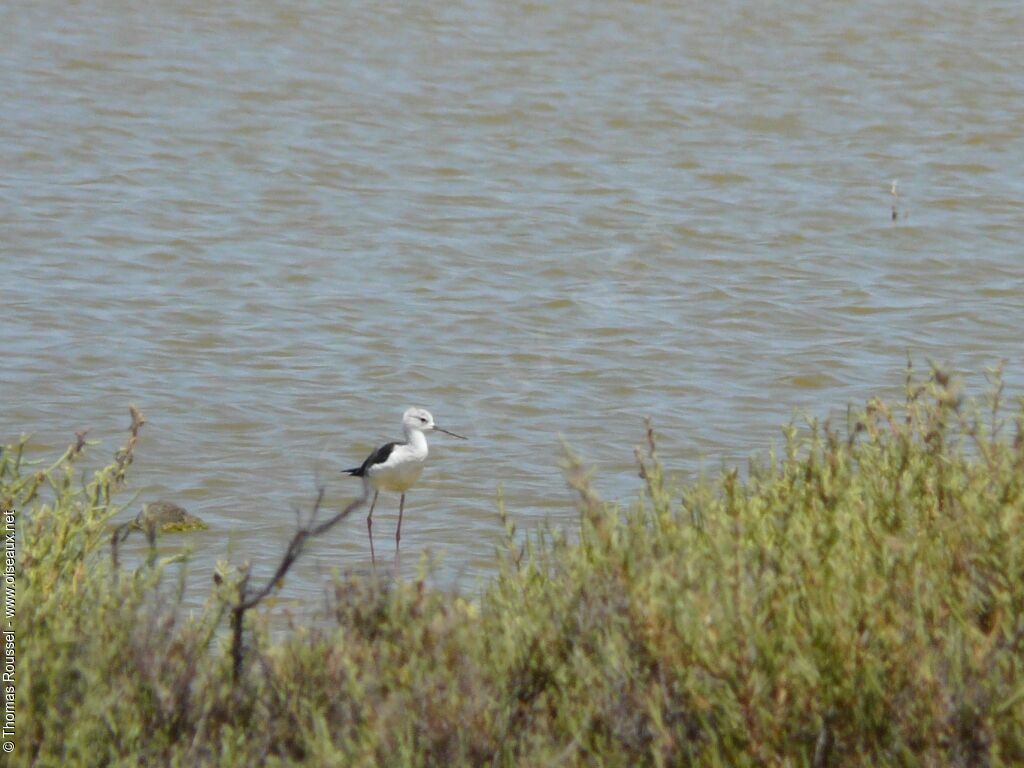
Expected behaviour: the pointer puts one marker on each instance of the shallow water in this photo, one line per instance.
(276, 225)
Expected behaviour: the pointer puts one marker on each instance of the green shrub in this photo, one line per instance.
(857, 599)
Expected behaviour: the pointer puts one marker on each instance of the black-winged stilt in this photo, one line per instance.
(397, 466)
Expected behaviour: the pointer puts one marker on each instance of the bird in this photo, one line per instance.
(396, 467)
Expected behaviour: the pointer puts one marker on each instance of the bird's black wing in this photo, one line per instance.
(377, 457)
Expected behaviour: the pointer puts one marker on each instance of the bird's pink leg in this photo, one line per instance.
(398, 533)
(369, 526)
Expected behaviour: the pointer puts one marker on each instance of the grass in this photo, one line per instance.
(855, 599)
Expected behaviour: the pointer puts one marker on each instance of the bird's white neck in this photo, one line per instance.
(417, 441)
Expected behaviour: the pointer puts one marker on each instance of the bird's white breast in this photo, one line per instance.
(401, 471)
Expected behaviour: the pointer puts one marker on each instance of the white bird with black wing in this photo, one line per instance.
(396, 467)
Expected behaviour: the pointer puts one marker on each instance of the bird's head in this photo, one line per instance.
(420, 419)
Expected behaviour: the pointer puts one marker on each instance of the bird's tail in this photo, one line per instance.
(355, 471)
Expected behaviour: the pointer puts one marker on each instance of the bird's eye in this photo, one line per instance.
(423, 419)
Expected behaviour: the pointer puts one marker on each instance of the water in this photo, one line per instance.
(276, 225)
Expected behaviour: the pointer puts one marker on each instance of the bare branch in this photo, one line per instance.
(248, 600)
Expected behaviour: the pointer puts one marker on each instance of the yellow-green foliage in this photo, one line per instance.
(856, 600)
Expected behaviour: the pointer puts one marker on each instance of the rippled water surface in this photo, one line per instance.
(273, 226)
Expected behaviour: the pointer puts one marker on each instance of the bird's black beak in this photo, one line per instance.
(450, 433)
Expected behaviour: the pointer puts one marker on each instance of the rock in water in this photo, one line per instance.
(166, 517)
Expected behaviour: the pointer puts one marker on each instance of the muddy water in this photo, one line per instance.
(273, 226)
